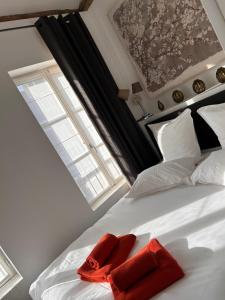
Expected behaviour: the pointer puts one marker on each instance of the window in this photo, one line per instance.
(73, 135)
(9, 276)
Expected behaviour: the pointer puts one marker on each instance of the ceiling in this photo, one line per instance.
(12, 7)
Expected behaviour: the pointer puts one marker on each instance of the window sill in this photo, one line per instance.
(6, 288)
(14, 276)
(120, 189)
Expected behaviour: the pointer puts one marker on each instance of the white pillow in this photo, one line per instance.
(211, 170)
(162, 177)
(214, 115)
(177, 138)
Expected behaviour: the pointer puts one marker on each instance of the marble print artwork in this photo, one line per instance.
(165, 37)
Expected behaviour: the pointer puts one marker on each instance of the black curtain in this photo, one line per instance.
(80, 60)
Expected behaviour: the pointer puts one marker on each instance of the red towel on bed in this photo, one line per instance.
(102, 251)
(117, 256)
(128, 273)
(147, 286)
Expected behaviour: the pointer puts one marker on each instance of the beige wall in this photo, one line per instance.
(41, 209)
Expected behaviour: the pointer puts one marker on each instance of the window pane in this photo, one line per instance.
(72, 97)
(84, 119)
(94, 136)
(113, 169)
(89, 178)
(42, 101)
(67, 141)
(89, 128)
(47, 109)
(61, 131)
(103, 152)
(110, 163)
(71, 149)
(67, 91)
(35, 89)
(62, 80)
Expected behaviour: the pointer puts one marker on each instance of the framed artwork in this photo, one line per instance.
(168, 42)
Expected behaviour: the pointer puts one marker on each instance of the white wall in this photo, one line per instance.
(98, 23)
(41, 209)
(120, 65)
(214, 12)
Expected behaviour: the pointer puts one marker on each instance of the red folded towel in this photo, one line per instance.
(117, 256)
(166, 273)
(135, 268)
(102, 251)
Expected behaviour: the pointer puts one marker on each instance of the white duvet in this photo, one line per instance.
(189, 221)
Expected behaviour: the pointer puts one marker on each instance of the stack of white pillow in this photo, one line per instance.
(182, 163)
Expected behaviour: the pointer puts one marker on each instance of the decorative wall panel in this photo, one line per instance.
(166, 38)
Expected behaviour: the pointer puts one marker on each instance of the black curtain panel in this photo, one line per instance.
(80, 60)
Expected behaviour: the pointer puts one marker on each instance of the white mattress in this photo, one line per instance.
(189, 221)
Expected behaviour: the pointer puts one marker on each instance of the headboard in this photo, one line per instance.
(206, 137)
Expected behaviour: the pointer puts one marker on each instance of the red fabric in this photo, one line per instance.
(167, 272)
(118, 255)
(133, 269)
(102, 251)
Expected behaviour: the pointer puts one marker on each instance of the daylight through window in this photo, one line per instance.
(62, 117)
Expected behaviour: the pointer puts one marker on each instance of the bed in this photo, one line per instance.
(188, 220)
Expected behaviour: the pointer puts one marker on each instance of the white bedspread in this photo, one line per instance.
(189, 221)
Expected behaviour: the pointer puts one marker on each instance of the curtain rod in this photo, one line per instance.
(36, 14)
(17, 28)
(32, 16)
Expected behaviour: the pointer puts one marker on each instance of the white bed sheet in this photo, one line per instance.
(189, 221)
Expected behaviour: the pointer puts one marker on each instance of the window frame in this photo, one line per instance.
(82, 132)
(13, 278)
(47, 73)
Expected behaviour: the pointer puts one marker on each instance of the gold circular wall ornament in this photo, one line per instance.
(198, 86)
(220, 74)
(178, 96)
